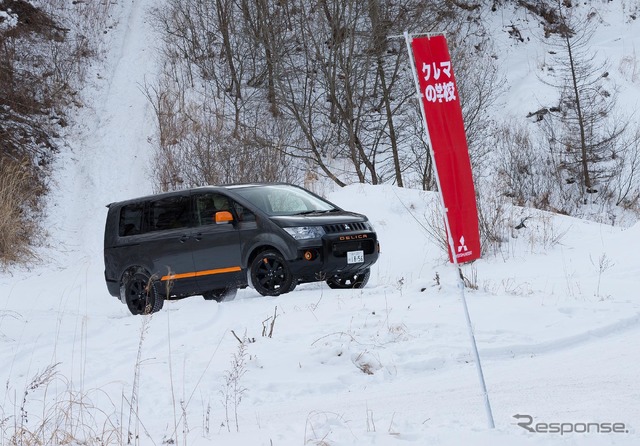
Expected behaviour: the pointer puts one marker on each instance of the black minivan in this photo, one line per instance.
(213, 240)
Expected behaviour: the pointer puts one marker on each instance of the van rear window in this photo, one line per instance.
(131, 219)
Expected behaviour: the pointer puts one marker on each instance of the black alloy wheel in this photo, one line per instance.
(355, 280)
(270, 274)
(141, 294)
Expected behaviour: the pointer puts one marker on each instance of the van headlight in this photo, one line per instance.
(305, 232)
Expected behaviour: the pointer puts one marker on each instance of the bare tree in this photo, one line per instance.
(327, 84)
(350, 91)
(581, 129)
(624, 188)
(209, 101)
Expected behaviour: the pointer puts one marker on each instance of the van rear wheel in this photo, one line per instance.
(141, 294)
(270, 274)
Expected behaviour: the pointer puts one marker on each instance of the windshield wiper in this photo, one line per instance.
(316, 211)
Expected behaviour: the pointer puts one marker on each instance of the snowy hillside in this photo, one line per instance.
(556, 318)
(524, 54)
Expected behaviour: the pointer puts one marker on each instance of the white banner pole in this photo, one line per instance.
(483, 386)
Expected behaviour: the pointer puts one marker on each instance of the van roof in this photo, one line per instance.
(212, 188)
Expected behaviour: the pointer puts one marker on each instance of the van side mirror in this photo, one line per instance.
(223, 217)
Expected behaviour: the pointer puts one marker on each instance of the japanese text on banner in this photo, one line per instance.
(436, 91)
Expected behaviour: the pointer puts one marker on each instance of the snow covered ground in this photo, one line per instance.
(556, 317)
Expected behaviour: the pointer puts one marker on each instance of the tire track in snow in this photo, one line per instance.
(565, 343)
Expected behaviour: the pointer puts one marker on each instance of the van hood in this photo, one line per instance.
(318, 219)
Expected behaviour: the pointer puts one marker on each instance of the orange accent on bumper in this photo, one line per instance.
(208, 272)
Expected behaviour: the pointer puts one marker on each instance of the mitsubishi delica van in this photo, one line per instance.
(212, 240)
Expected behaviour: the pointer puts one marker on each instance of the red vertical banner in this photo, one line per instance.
(443, 115)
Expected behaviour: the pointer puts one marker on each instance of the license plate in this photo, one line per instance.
(355, 257)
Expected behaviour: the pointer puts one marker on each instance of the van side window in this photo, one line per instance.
(207, 205)
(131, 219)
(244, 214)
(170, 213)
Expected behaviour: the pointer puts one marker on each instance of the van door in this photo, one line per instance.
(167, 243)
(216, 252)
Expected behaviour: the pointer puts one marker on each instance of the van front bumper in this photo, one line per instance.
(331, 258)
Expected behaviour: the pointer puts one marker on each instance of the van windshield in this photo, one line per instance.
(281, 199)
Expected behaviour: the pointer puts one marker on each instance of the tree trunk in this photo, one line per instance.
(581, 124)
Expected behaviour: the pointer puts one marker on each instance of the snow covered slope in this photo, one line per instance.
(108, 156)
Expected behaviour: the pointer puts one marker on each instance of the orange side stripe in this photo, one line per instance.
(208, 272)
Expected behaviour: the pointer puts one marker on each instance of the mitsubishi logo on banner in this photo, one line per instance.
(463, 251)
(440, 103)
(462, 246)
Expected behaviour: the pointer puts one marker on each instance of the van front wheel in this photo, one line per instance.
(270, 274)
(141, 294)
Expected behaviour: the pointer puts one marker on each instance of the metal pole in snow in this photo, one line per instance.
(483, 386)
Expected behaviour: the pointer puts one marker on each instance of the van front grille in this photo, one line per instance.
(345, 227)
